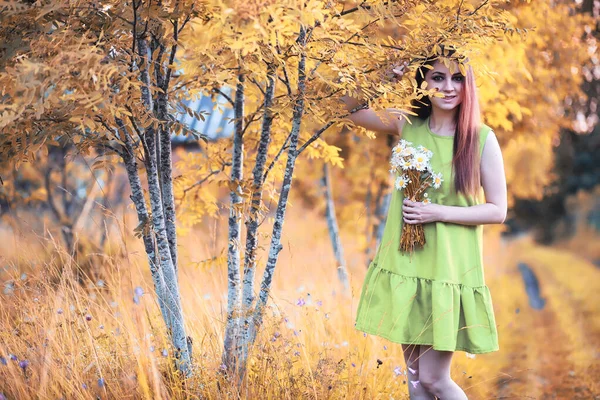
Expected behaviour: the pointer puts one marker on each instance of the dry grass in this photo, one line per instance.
(77, 342)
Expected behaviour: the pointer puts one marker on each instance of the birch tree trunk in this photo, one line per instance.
(63, 213)
(368, 221)
(163, 78)
(382, 204)
(137, 196)
(381, 213)
(376, 228)
(168, 199)
(250, 329)
(235, 234)
(252, 222)
(333, 228)
(172, 297)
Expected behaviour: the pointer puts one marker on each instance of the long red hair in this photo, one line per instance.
(466, 158)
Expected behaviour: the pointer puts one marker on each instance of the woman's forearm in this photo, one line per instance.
(350, 102)
(480, 214)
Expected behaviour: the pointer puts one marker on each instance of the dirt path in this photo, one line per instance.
(558, 349)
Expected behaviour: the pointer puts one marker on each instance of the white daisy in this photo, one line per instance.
(407, 151)
(404, 143)
(437, 180)
(426, 201)
(396, 161)
(406, 164)
(401, 182)
(420, 161)
(425, 150)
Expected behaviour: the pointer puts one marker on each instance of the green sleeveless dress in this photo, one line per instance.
(439, 297)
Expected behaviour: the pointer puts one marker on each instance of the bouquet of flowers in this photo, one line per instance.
(416, 176)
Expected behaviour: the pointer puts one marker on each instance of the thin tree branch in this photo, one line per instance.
(325, 97)
(49, 195)
(181, 85)
(257, 85)
(286, 82)
(458, 12)
(253, 118)
(315, 136)
(283, 147)
(477, 9)
(387, 46)
(318, 133)
(350, 11)
(135, 20)
(200, 182)
(260, 107)
(187, 19)
(171, 57)
(287, 79)
(147, 19)
(217, 90)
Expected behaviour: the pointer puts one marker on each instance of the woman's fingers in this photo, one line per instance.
(398, 71)
(410, 213)
(411, 217)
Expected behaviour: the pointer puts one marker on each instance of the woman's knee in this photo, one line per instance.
(432, 383)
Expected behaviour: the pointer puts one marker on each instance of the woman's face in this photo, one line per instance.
(440, 79)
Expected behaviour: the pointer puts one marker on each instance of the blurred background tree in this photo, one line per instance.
(577, 150)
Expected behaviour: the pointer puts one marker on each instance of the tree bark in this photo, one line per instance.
(235, 234)
(252, 222)
(382, 204)
(172, 299)
(165, 151)
(381, 210)
(137, 196)
(333, 228)
(369, 220)
(251, 329)
(166, 179)
(56, 157)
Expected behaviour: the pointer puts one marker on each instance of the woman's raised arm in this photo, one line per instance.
(389, 121)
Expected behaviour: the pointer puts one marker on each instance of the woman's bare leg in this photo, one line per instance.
(411, 356)
(434, 374)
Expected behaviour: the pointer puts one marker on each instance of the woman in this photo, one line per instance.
(438, 302)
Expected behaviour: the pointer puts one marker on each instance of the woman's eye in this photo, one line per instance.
(437, 78)
(458, 78)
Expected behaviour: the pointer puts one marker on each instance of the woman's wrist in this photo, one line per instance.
(439, 213)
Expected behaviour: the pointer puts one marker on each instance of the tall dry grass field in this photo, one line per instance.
(106, 339)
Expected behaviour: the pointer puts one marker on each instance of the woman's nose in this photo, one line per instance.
(448, 85)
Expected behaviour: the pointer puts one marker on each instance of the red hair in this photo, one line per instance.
(466, 158)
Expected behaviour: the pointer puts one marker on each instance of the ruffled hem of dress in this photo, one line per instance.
(435, 347)
(413, 310)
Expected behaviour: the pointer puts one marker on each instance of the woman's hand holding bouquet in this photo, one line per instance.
(415, 177)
